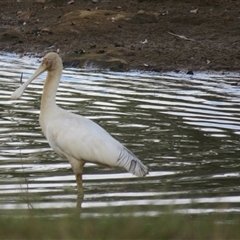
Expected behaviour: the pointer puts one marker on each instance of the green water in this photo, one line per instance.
(185, 128)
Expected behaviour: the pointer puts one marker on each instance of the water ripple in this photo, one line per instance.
(184, 127)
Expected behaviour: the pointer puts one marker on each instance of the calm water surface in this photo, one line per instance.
(186, 128)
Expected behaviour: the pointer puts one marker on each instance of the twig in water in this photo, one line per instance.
(26, 196)
(21, 78)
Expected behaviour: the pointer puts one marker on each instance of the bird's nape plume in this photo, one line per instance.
(131, 163)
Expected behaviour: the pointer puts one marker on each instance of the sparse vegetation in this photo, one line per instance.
(164, 226)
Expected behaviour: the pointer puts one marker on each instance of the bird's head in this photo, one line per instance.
(50, 62)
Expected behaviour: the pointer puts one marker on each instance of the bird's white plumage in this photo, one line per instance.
(82, 139)
(73, 136)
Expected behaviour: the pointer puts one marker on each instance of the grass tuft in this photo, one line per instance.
(164, 226)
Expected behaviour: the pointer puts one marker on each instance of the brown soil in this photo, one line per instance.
(126, 34)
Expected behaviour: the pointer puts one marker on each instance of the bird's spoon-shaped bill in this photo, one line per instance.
(18, 92)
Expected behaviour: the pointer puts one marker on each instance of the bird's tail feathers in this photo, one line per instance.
(131, 163)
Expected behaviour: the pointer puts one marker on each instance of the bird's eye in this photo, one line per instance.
(48, 62)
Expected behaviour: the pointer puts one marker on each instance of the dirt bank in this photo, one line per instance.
(127, 34)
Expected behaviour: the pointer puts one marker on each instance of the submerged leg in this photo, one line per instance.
(80, 194)
(77, 166)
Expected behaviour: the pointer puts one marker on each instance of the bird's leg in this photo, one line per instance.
(77, 166)
(80, 194)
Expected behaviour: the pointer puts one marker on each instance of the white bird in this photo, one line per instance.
(75, 137)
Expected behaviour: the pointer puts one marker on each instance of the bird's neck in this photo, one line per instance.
(48, 101)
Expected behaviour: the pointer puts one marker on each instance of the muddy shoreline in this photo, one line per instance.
(126, 35)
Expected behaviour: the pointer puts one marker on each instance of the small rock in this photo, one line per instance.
(23, 16)
(101, 51)
(93, 46)
(10, 35)
(144, 42)
(47, 30)
(80, 51)
(36, 32)
(117, 44)
(70, 2)
(194, 10)
(190, 72)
